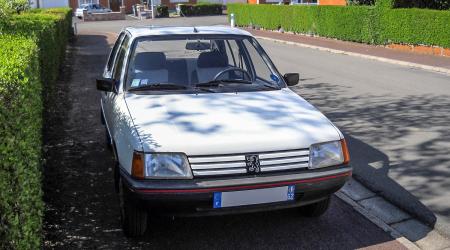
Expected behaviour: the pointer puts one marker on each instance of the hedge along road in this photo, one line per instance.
(82, 209)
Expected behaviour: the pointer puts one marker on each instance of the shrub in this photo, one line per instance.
(346, 23)
(415, 26)
(50, 28)
(379, 24)
(4, 10)
(163, 11)
(388, 4)
(430, 4)
(32, 47)
(360, 2)
(21, 206)
(201, 9)
(16, 6)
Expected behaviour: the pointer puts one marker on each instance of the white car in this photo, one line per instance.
(200, 121)
(90, 8)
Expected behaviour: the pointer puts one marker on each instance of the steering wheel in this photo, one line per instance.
(232, 69)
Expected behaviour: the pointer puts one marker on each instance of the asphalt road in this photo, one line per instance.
(395, 118)
(82, 209)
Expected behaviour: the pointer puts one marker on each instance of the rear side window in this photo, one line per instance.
(113, 54)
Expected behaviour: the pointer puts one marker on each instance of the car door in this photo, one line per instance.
(108, 98)
(123, 132)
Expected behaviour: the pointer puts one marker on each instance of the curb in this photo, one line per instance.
(365, 203)
(376, 58)
(378, 222)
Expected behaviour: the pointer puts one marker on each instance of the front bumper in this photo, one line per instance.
(195, 197)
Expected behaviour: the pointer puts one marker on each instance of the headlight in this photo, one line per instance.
(163, 166)
(328, 154)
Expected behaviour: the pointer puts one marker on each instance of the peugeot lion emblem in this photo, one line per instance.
(252, 163)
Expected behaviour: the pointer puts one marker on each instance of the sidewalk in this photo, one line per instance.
(358, 48)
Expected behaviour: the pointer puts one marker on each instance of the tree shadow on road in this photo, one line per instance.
(399, 146)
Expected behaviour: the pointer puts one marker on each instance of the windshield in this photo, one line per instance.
(187, 63)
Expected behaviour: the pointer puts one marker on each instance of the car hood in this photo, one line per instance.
(223, 123)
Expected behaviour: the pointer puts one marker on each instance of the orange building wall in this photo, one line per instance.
(104, 3)
(332, 2)
(252, 1)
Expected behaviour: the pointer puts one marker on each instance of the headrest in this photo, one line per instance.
(213, 59)
(150, 61)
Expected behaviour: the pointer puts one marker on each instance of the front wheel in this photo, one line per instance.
(316, 209)
(133, 216)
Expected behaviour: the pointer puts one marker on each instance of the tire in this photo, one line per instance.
(316, 209)
(133, 216)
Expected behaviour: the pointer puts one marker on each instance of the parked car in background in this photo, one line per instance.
(91, 9)
(200, 121)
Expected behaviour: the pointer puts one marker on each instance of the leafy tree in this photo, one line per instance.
(8, 6)
(3, 9)
(360, 2)
(430, 4)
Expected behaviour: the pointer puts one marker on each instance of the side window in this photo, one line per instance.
(113, 54)
(261, 69)
(120, 58)
(234, 56)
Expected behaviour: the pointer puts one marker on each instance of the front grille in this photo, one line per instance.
(234, 164)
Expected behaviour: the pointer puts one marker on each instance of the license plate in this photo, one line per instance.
(254, 196)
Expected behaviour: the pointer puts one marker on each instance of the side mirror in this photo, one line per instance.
(106, 84)
(291, 78)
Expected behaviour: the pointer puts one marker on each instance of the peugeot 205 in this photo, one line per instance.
(201, 122)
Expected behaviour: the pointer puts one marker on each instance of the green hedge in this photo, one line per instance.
(346, 23)
(50, 28)
(415, 26)
(21, 206)
(32, 47)
(431, 4)
(163, 11)
(368, 24)
(201, 9)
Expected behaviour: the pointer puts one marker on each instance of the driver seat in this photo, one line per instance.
(209, 64)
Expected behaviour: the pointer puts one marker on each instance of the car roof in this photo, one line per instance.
(185, 30)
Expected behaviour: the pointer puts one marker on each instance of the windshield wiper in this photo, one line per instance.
(205, 89)
(215, 83)
(159, 86)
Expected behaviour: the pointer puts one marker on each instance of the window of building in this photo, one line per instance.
(312, 2)
(80, 2)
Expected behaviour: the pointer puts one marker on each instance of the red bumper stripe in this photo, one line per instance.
(234, 188)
